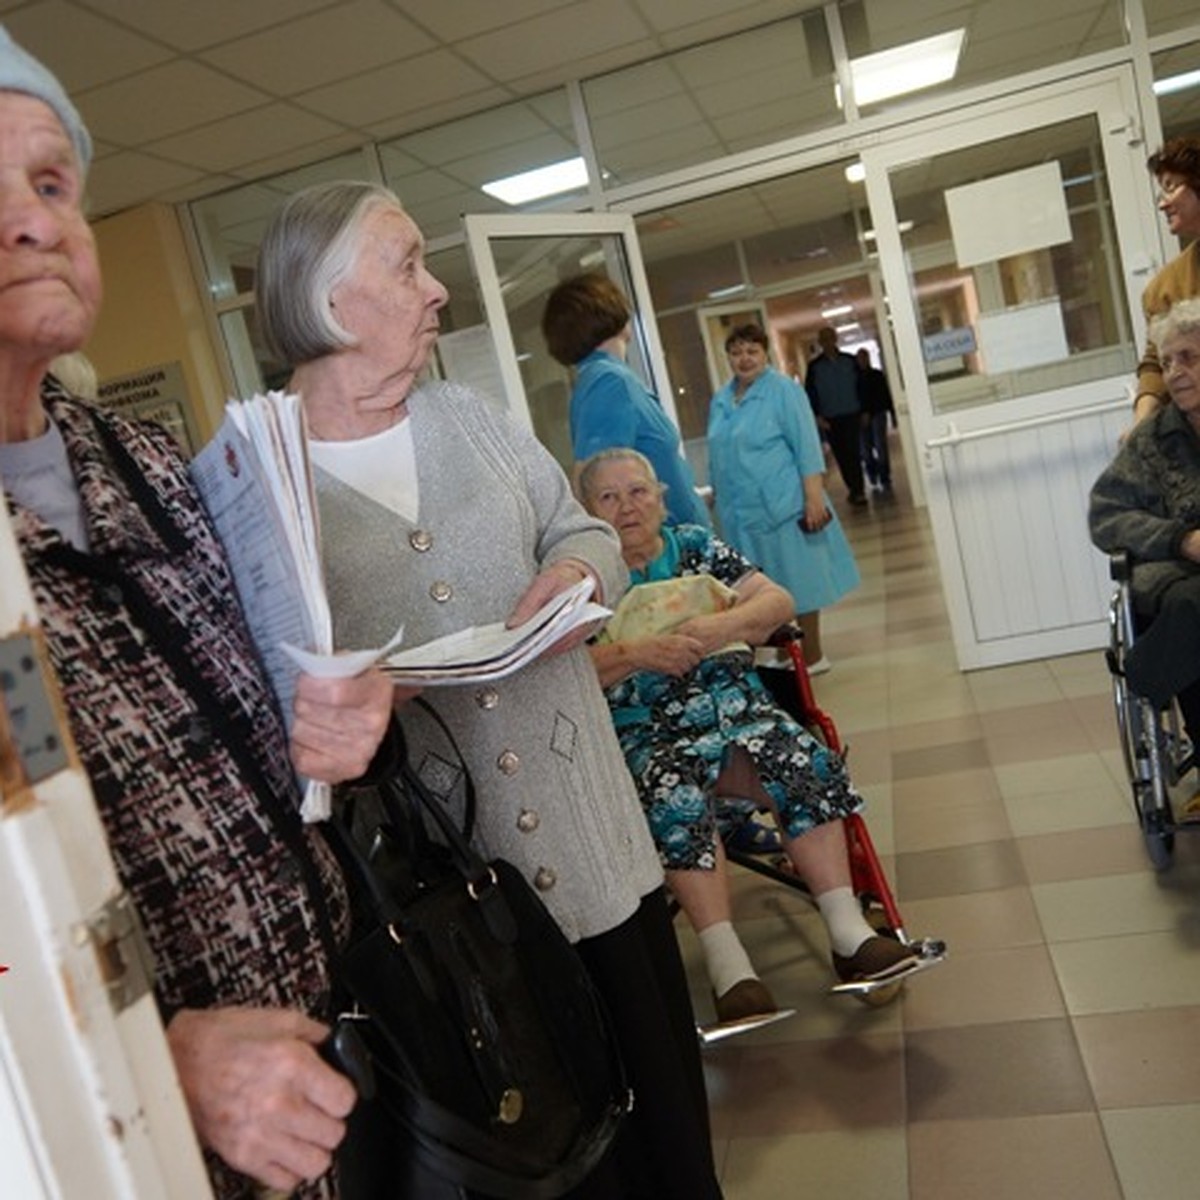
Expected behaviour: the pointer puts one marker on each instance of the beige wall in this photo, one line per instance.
(153, 309)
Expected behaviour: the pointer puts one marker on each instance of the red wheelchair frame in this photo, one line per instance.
(867, 875)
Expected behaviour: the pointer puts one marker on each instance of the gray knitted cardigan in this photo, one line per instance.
(554, 794)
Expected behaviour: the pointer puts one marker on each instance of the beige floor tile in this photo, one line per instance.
(853, 1083)
(1137, 1059)
(1059, 773)
(1081, 853)
(1002, 919)
(866, 1163)
(1091, 806)
(1117, 904)
(1155, 1150)
(1008, 687)
(1060, 1157)
(1117, 974)
(984, 988)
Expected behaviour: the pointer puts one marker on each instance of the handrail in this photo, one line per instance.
(953, 437)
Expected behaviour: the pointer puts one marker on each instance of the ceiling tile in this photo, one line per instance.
(96, 52)
(188, 95)
(334, 44)
(125, 178)
(246, 138)
(370, 97)
(524, 47)
(193, 24)
(465, 18)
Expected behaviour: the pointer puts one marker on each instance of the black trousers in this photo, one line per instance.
(664, 1150)
(1165, 659)
(843, 437)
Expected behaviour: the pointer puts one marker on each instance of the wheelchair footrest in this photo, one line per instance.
(928, 953)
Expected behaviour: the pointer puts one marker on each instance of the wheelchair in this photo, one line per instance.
(1156, 751)
(792, 689)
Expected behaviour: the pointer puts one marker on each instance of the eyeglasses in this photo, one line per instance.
(1169, 190)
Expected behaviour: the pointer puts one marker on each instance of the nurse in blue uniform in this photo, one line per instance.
(767, 472)
(586, 326)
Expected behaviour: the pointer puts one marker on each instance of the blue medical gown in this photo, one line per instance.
(759, 451)
(611, 407)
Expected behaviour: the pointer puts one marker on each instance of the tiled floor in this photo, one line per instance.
(1055, 1055)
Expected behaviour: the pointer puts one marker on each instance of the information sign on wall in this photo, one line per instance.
(154, 394)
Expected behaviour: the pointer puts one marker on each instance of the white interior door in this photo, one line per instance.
(1015, 239)
(518, 260)
(89, 1102)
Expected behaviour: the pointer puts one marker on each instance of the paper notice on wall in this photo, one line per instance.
(1022, 337)
(1008, 214)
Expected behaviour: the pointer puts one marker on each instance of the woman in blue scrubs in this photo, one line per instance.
(586, 326)
(768, 473)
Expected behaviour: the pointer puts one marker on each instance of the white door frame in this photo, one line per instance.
(1110, 96)
(483, 230)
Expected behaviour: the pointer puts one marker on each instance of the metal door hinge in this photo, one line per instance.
(126, 965)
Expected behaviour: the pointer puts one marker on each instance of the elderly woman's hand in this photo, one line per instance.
(668, 654)
(1189, 548)
(547, 584)
(339, 724)
(258, 1093)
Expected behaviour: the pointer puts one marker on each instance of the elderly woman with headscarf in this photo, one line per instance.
(438, 513)
(244, 909)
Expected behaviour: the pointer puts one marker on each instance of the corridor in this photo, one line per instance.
(1053, 1055)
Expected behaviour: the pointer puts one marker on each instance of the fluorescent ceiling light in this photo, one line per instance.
(839, 311)
(1176, 83)
(735, 289)
(565, 176)
(847, 327)
(907, 68)
(856, 173)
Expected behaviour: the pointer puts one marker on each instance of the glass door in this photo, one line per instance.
(1014, 243)
(518, 260)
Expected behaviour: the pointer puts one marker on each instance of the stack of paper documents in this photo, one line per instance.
(256, 482)
(487, 652)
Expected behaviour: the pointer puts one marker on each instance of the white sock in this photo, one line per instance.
(725, 958)
(843, 916)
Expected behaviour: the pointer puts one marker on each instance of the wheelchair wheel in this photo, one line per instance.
(1159, 836)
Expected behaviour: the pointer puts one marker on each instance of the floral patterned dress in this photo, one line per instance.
(676, 731)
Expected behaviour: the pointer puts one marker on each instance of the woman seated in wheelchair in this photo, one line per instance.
(1147, 503)
(706, 743)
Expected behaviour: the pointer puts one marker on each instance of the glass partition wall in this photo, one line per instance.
(700, 145)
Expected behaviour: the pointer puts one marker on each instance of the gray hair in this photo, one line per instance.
(587, 472)
(1183, 317)
(310, 245)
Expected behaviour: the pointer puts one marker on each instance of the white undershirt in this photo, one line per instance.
(382, 466)
(37, 474)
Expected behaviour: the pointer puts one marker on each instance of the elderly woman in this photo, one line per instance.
(586, 324)
(768, 477)
(438, 513)
(703, 738)
(244, 909)
(1176, 170)
(1147, 502)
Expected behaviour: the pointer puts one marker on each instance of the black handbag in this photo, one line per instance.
(495, 1066)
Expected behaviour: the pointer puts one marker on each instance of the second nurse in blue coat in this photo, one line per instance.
(768, 471)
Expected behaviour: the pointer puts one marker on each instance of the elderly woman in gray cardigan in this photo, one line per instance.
(439, 513)
(1147, 502)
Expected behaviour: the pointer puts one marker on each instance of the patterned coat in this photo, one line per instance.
(179, 733)
(554, 797)
(1147, 498)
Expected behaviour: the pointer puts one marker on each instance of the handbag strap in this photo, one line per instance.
(470, 803)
